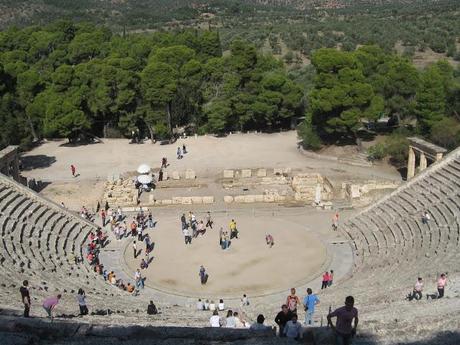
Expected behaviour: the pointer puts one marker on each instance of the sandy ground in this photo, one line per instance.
(248, 266)
(207, 155)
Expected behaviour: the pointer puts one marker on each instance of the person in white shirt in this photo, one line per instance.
(293, 329)
(245, 300)
(206, 305)
(221, 305)
(199, 305)
(230, 321)
(215, 319)
(212, 306)
(418, 287)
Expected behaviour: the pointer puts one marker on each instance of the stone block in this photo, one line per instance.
(177, 200)
(166, 202)
(165, 175)
(239, 198)
(269, 198)
(151, 198)
(209, 199)
(278, 171)
(259, 198)
(353, 191)
(190, 174)
(262, 173)
(228, 199)
(197, 199)
(279, 198)
(228, 173)
(245, 173)
(175, 175)
(186, 200)
(249, 199)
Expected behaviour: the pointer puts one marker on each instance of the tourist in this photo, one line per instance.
(160, 175)
(150, 219)
(344, 331)
(50, 304)
(331, 278)
(164, 162)
(134, 249)
(325, 281)
(179, 153)
(335, 221)
(293, 329)
(206, 305)
(212, 306)
(187, 236)
(130, 288)
(221, 305)
(201, 229)
(259, 325)
(233, 229)
(244, 301)
(183, 221)
(426, 217)
(282, 318)
(215, 319)
(73, 170)
(138, 279)
(25, 297)
(208, 220)
(143, 264)
(203, 275)
(103, 215)
(221, 235)
(292, 301)
(81, 299)
(417, 292)
(200, 305)
(184, 149)
(310, 301)
(442, 282)
(238, 322)
(152, 309)
(269, 240)
(225, 240)
(230, 320)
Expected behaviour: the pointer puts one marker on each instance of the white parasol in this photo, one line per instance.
(143, 169)
(144, 179)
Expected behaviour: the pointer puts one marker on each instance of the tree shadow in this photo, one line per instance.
(36, 162)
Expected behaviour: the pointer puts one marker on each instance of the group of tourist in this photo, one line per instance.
(416, 293)
(192, 228)
(181, 152)
(328, 278)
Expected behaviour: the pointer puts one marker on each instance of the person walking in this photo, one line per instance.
(138, 279)
(103, 215)
(208, 220)
(325, 281)
(187, 236)
(310, 301)
(442, 282)
(282, 318)
(73, 170)
(25, 297)
(335, 221)
(343, 329)
(179, 153)
(203, 275)
(331, 278)
(292, 301)
(183, 221)
(81, 299)
(50, 304)
(134, 249)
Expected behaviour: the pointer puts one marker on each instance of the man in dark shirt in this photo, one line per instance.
(25, 297)
(152, 309)
(282, 318)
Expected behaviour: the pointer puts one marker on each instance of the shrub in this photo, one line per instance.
(446, 133)
(377, 152)
(309, 139)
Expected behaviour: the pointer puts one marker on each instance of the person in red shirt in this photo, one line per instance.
(292, 301)
(73, 170)
(326, 278)
(344, 331)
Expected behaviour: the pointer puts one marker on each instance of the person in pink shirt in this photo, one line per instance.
(326, 278)
(344, 331)
(50, 304)
(442, 282)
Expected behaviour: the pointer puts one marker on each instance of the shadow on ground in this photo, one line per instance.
(36, 162)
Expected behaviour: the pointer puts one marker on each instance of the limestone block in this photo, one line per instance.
(135, 199)
(119, 182)
(197, 199)
(327, 205)
(245, 173)
(209, 199)
(279, 198)
(278, 171)
(261, 172)
(239, 198)
(249, 198)
(269, 198)
(259, 198)
(228, 199)
(298, 197)
(354, 191)
(165, 175)
(190, 174)
(228, 173)
(177, 200)
(175, 175)
(287, 170)
(166, 202)
(186, 200)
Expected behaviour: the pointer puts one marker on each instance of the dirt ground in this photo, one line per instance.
(248, 266)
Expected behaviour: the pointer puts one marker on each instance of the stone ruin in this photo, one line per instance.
(120, 192)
